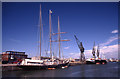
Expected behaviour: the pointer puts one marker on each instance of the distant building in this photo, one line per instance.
(71, 60)
(13, 57)
(77, 59)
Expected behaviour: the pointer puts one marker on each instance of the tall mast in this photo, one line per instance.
(40, 29)
(59, 40)
(59, 37)
(50, 32)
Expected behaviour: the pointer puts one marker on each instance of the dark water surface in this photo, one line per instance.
(107, 70)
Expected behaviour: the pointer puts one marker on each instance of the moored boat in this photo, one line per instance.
(95, 60)
(51, 63)
(29, 64)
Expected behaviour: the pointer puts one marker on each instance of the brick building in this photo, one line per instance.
(13, 57)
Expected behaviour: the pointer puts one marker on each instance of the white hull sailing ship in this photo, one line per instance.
(51, 63)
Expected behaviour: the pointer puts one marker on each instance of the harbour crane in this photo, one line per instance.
(93, 51)
(98, 51)
(82, 56)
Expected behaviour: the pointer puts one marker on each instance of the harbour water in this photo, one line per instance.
(106, 70)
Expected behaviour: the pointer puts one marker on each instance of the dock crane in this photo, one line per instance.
(98, 51)
(93, 51)
(82, 56)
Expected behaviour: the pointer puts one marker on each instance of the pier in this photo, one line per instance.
(77, 63)
(9, 67)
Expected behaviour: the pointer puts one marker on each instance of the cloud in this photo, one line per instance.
(105, 51)
(114, 31)
(111, 39)
(16, 41)
(66, 47)
(48, 52)
(87, 53)
(71, 53)
(74, 55)
(111, 48)
(110, 51)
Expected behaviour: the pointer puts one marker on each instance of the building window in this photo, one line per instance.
(12, 57)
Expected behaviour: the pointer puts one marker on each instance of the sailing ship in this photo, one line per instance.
(95, 60)
(51, 63)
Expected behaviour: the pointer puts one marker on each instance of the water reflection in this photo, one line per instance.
(108, 70)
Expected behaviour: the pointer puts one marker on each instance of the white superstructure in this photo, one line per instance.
(32, 62)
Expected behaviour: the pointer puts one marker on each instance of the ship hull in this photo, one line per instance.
(31, 67)
(34, 67)
(96, 62)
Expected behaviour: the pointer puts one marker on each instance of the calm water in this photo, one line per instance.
(107, 70)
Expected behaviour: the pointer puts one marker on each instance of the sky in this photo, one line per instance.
(89, 21)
